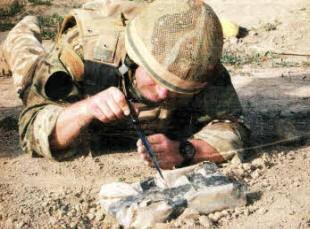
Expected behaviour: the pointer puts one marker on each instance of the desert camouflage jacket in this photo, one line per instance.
(56, 81)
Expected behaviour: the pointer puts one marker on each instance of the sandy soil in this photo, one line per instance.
(275, 93)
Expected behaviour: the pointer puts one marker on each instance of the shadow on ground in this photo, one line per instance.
(277, 111)
(9, 140)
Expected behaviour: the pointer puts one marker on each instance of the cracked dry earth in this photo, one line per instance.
(275, 93)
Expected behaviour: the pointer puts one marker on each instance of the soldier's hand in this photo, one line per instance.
(165, 150)
(108, 105)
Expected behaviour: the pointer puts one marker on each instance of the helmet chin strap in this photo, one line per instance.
(126, 70)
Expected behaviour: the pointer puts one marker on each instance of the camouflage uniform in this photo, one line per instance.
(58, 79)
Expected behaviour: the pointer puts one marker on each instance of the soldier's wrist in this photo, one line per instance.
(187, 151)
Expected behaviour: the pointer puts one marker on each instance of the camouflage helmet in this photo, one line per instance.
(178, 42)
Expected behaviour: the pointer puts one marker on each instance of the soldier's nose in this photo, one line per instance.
(162, 92)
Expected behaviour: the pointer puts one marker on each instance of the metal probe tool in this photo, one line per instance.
(136, 124)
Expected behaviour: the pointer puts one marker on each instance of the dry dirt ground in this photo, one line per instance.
(270, 69)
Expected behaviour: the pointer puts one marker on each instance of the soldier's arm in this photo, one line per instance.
(219, 132)
(106, 106)
(224, 132)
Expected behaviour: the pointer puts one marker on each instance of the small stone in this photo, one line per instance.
(21, 224)
(258, 163)
(236, 160)
(73, 224)
(255, 174)
(12, 219)
(247, 167)
(238, 211)
(91, 216)
(188, 212)
(161, 226)
(253, 33)
(215, 217)
(85, 207)
(292, 212)
(97, 159)
(100, 216)
(262, 211)
(264, 183)
(239, 172)
(92, 210)
(52, 220)
(205, 221)
(225, 213)
(252, 208)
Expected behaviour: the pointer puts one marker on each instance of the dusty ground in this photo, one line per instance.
(271, 72)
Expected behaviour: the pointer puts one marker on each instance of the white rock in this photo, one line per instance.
(215, 217)
(205, 221)
(255, 174)
(258, 163)
(262, 211)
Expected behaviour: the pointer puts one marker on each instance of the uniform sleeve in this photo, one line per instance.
(22, 49)
(52, 89)
(219, 117)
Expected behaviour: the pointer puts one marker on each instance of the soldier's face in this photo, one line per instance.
(150, 89)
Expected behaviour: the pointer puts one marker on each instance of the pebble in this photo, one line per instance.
(12, 219)
(253, 33)
(91, 216)
(258, 163)
(239, 172)
(247, 212)
(264, 183)
(225, 213)
(238, 211)
(92, 210)
(21, 224)
(247, 167)
(73, 224)
(100, 216)
(215, 217)
(161, 226)
(205, 221)
(252, 208)
(262, 211)
(255, 174)
(52, 220)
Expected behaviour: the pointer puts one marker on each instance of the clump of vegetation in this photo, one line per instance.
(231, 58)
(13, 10)
(271, 26)
(306, 63)
(49, 25)
(121, 179)
(6, 26)
(284, 63)
(40, 2)
(50, 21)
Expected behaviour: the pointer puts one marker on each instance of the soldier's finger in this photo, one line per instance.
(157, 148)
(114, 107)
(120, 100)
(141, 149)
(155, 138)
(145, 157)
(107, 111)
(97, 112)
(139, 143)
